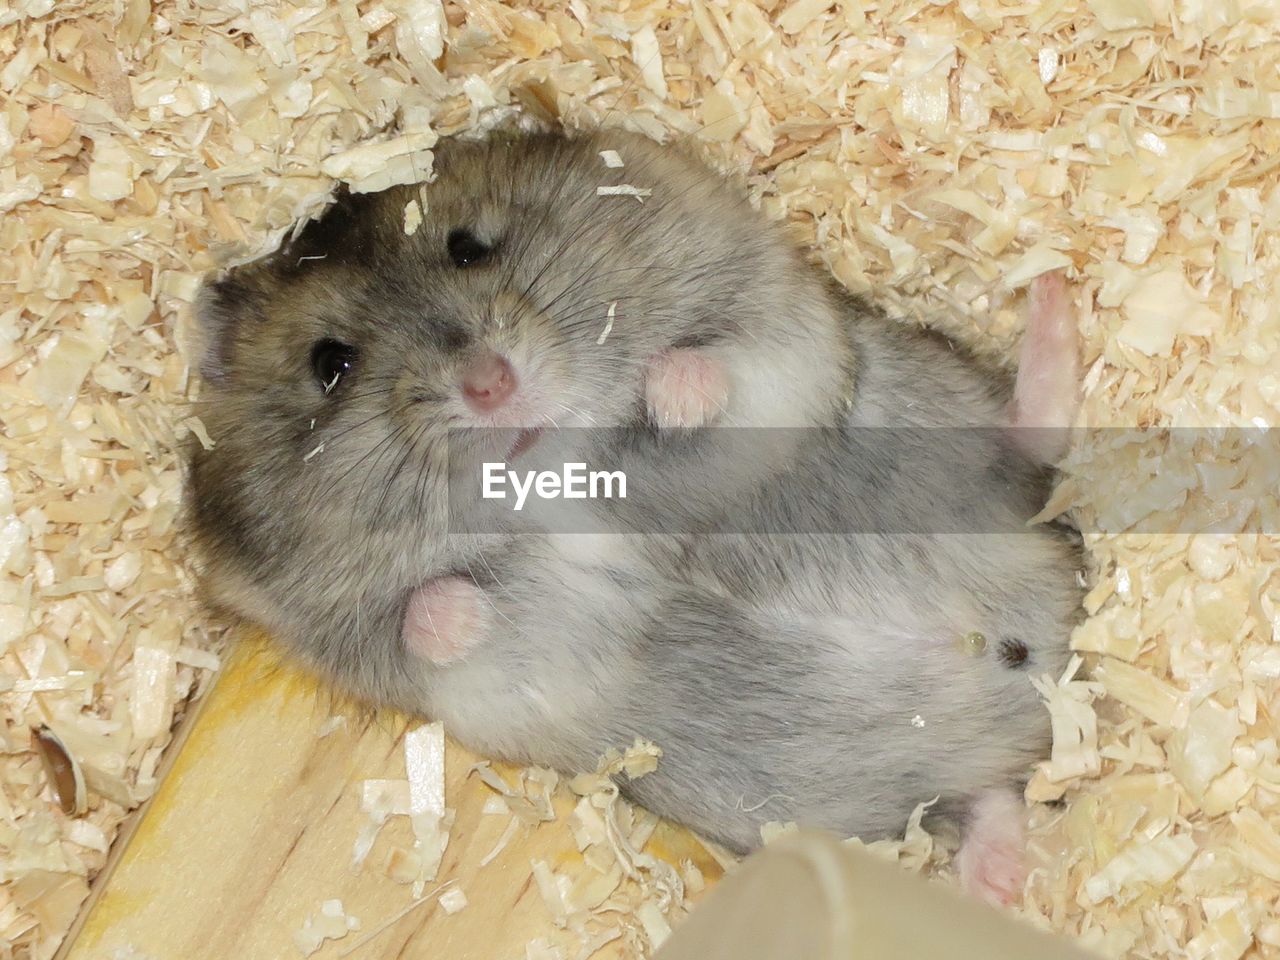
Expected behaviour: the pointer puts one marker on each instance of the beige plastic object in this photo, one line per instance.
(813, 897)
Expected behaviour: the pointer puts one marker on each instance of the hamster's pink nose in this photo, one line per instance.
(487, 382)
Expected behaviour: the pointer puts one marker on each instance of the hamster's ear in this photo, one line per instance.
(218, 306)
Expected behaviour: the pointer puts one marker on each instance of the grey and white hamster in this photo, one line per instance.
(819, 678)
(336, 369)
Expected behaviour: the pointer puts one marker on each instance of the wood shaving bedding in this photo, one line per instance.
(942, 155)
(330, 922)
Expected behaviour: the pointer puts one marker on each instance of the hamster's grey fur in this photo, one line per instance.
(780, 674)
(816, 678)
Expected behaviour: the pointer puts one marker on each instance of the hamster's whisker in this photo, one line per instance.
(493, 576)
(426, 475)
(596, 310)
(324, 494)
(355, 426)
(585, 224)
(424, 471)
(552, 204)
(574, 236)
(641, 221)
(597, 306)
(383, 445)
(484, 593)
(687, 321)
(394, 474)
(585, 397)
(535, 231)
(653, 268)
(574, 413)
(699, 130)
(627, 87)
(640, 268)
(380, 392)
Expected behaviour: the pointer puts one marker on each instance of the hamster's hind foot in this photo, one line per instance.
(1047, 390)
(991, 861)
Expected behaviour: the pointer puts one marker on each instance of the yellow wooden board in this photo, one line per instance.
(254, 826)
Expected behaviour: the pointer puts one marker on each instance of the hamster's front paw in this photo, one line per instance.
(685, 388)
(446, 617)
(991, 861)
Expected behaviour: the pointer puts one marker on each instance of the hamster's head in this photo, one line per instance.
(524, 288)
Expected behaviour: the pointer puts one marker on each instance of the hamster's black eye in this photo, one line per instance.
(331, 361)
(464, 248)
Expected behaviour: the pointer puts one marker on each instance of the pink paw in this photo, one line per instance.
(991, 858)
(1047, 390)
(445, 618)
(685, 388)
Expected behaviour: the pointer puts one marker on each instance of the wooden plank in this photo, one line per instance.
(130, 825)
(254, 826)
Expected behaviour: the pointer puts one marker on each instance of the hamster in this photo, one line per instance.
(335, 369)
(774, 670)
